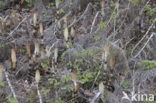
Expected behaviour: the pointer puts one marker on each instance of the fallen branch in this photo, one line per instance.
(11, 33)
(143, 37)
(145, 45)
(39, 95)
(94, 21)
(80, 16)
(9, 83)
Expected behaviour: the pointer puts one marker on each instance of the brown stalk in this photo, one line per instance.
(28, 49)
(102, 3)
(37, 47)
(74, 78)
(65, 19)
(41, 28)
(30, 63)
(73, 32)
(1, 72)
(102, 7)
(112, 62)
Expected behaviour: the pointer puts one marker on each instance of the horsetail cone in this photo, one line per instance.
(101, 87)
(13, 57)
(37, 47)
(56, 54)
(37, 76)
(35, 17)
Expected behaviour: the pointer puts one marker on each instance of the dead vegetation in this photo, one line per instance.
(77, 51)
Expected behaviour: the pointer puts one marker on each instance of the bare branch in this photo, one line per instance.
(9, 83)
(143, 36)
(39, 95)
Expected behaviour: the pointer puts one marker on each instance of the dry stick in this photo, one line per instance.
(71, 100)
(39, 95)
(81, 16)
(94, 21)
(9, 83)
(144, 45)
(143, 37)
(108, 21)
(95, 97)
(11, 33)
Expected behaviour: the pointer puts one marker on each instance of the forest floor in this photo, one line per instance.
(77, 51)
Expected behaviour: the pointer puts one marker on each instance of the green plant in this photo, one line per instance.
(44, 15)
(48, 6)
(107, 95)
(114, 15)
(45, 91)
(147, 8)
(151, 20)
(69, 44)
(152, 12)
(59, 101)
(112, 4)
(1, 3)
(115, 53)
(61, 1)
(12, 100)
(53, 82)
(66, 79)
(69, 64)
(97, 38)
(103, 25)
(125, 84)
(87, 77)
(28, 3)
(135, 2)
(2, 45)
(31, 97)
(44, 65)
(69, 88)
(87, 65)
(62, 11)
(22, 51)
(71, 4)
(149, 64)
(65, 53)
(2, 84)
